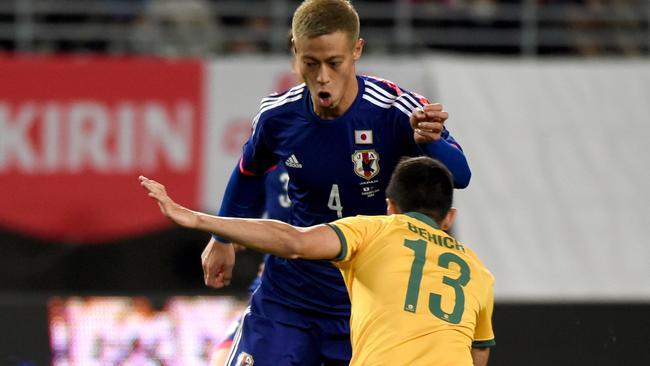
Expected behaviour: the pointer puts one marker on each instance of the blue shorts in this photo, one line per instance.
(234, 326)
(264, 338)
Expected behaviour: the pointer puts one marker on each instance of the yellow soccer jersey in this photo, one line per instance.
(419, 297)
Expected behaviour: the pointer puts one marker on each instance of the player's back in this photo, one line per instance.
(417, 294)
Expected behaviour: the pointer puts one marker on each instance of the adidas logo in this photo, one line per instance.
(292, 162)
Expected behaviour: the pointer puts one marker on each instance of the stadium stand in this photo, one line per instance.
(203, 27)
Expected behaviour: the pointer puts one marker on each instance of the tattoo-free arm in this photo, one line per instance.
(480, 356)
(268, 236)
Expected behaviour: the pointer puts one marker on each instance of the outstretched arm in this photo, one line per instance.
(268, 236)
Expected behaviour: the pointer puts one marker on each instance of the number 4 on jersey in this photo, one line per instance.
(334, 202)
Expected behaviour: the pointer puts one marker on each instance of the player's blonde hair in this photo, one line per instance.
(315, 18)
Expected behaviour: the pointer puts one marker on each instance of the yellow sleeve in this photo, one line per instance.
(354, 232)
(483, 334)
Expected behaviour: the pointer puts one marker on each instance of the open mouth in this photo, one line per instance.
(325, 99)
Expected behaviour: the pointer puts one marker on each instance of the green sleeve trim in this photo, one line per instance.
(344, 243)
(484, 344)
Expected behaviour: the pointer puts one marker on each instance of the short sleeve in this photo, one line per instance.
(483, 333)
(355, 233)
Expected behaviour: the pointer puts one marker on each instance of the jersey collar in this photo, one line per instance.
(309, 105)
(424, 218)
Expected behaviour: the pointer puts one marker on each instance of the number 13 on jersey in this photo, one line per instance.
(435, 300)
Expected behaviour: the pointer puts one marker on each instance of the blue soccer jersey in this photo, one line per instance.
(278, 204)
(336, 168)
(277, 207)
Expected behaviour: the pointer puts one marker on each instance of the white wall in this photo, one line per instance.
(558, 207)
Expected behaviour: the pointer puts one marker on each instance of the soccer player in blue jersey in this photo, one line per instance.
(340, 136)
(277, 207)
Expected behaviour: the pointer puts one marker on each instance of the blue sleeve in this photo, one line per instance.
(446, 149)
(449, 152)
(244, 197)
(257, 155)
(278, 204)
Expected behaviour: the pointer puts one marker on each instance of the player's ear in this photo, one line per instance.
(358, 48)
(391, 207)
(448, 220)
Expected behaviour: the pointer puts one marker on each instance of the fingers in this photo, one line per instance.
(149, 185)
(156, 190)
(435, 127)
(428, 122)
(430, 113)
(217, 264)
(146, 182)
(238, 247)
(205, 258)
(428, 131)
(433, 107)
(432, 116)
(219, 279)
(424, 137)
(226, 275)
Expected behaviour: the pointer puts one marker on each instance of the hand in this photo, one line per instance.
(218, 260)
(173, 211)
(238, 247)
(260, 269)
(428, 123)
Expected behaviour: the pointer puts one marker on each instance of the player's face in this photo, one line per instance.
(327, 65)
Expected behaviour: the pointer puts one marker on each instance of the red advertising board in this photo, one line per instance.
(75, 133)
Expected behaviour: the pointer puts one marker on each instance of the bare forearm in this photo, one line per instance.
(269, 236)
(480, 356)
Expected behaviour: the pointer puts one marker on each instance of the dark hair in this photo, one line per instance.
(422, 184)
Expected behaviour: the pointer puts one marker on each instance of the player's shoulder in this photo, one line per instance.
(377, 221)
(283, 94)
(386, 94)
(361, 218)
(281, 102)
(382, 84)
(478, 263)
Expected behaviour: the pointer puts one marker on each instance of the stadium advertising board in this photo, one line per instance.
(184, 330)
(76, 132)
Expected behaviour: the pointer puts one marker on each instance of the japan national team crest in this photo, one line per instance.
(366, 163)
(244, 359)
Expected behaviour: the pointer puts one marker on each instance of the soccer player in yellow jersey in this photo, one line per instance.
(419, 297)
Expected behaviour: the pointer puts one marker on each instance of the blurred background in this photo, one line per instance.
(550, 100)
